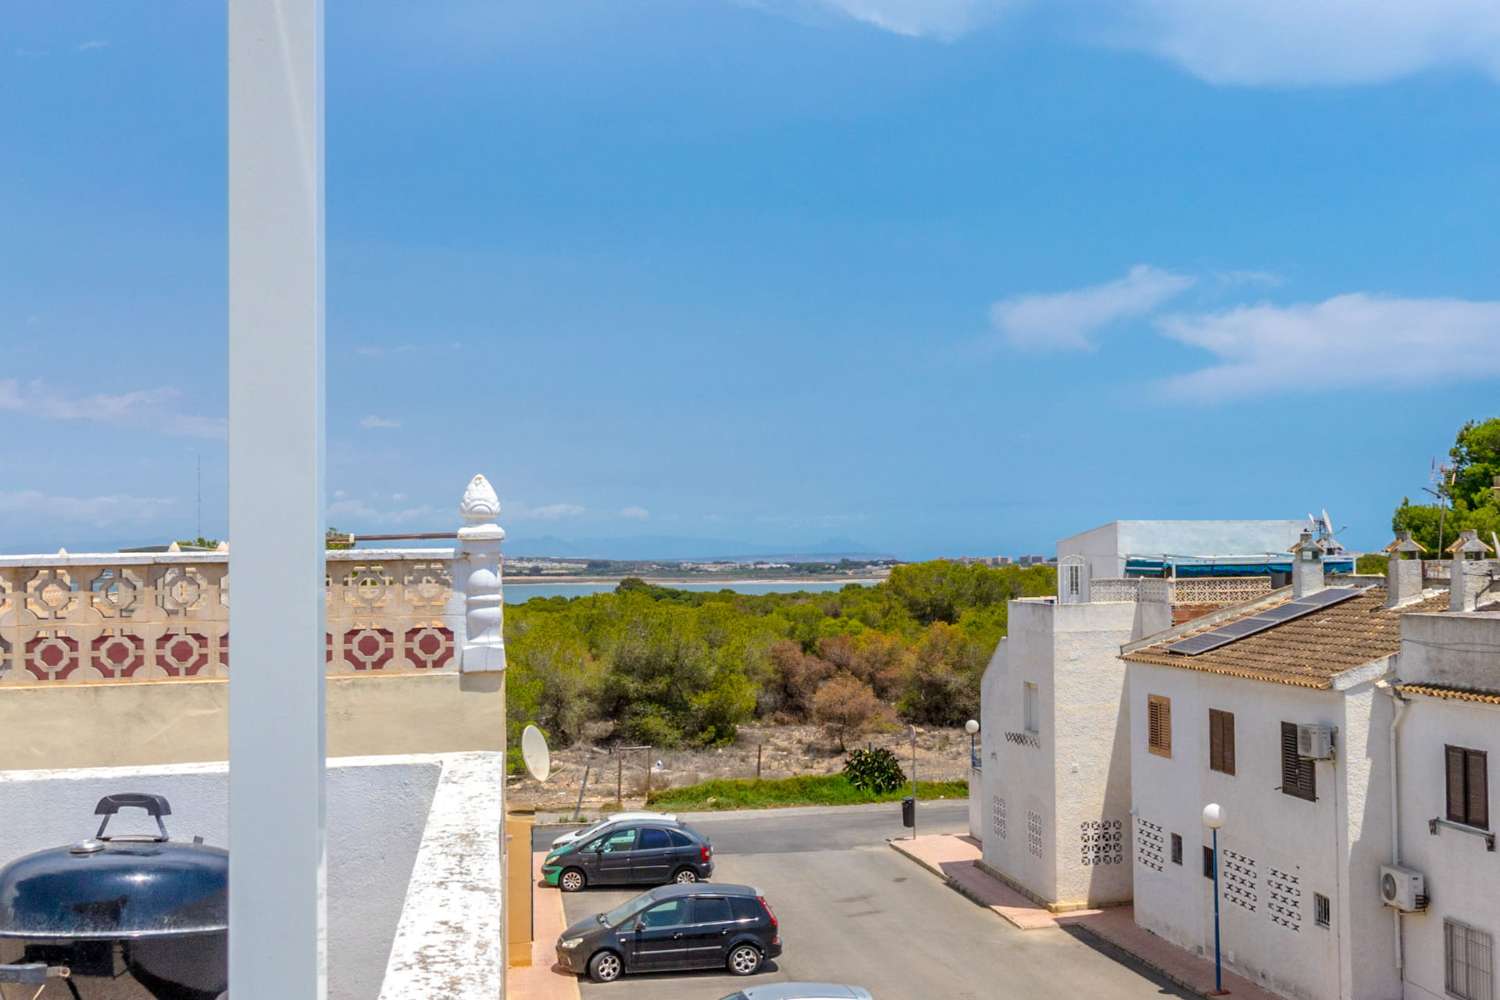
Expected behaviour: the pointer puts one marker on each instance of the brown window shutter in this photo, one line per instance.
(1159, 725)
(1478, 788)
(1298, 777)
(1289, 759)
(1226, 739)
(1221, 740)
(1456, 797)
(1215, 740)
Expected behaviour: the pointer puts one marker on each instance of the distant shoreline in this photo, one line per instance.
(677, 581)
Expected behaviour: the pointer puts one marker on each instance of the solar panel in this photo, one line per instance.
(1281, 614)
(1270, 618)
(1241, 628)
(1326, 598)
(1197, 644)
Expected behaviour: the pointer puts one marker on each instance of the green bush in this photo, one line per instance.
(875, 770)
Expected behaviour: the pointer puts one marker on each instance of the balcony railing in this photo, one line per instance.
(1198, 590)
(113, 618)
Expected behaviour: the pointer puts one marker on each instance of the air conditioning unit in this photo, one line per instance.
(1403, 889)
(1315, 742)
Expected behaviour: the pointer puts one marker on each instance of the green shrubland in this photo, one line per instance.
(675, 668)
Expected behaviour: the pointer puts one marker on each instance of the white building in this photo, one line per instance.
(1054, 786)
(1108, 548)
(1230, 708)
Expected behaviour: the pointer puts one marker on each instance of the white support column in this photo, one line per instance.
(477, 574)
(276, 556)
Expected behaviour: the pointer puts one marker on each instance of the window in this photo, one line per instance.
(1322, 910)
(1221, 741)
(1032, 707)
(653, 840)
(620, 840)
(746, 908)
(1299, 777)
(669, 914)
(1176, 848)
(1074, 576)
(1208, 861)
(680, 839)
(1467, 955)
(711, 910)
(1468, 787)
(1159, 725)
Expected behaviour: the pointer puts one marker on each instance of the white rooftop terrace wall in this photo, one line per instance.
(1107, 546)
(414, 887)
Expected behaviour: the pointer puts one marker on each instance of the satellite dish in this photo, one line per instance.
(534, 753)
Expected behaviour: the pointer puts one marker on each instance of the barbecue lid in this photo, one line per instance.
(117, 887)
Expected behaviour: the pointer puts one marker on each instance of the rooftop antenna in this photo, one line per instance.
(199, 456)
(1441, 477)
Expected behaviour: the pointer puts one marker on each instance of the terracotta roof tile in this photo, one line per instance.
(1451, 693)
(1305, 652)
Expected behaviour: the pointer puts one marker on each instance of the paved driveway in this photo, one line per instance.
(853, 910)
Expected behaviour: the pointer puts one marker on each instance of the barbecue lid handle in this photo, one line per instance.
(156, 806)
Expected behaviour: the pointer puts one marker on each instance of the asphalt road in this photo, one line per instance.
(853, 910)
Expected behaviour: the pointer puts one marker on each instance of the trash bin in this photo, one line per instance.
(908, 812)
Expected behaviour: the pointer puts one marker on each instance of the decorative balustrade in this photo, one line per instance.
(126, 617)
(1223, 590)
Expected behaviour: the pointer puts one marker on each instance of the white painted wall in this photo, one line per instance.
(1054, 788)
(1463, 878)
(1333, 846)
(1019, 767)
(377, 811)
(1106, 546)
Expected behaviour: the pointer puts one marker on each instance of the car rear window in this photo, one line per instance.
(654, 839)
(711, 910)
(746, 908)
(680, 839)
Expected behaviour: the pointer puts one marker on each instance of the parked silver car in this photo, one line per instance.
(802, 991)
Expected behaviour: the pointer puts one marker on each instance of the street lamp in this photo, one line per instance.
(972, 728)
(1213, 818)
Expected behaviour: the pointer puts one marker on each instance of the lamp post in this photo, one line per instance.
(972, 728)
(1213, 818)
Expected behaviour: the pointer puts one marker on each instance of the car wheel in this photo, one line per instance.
(571, 880)
(605, 967)
(685, 876)
(744, 960)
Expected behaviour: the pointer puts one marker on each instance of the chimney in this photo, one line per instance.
(1307, 565)
(1469, 573)
(1403, 574)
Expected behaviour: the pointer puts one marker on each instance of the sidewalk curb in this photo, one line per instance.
(954, 884)
(1127, 957)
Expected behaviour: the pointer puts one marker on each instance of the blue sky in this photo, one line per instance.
(912, 277)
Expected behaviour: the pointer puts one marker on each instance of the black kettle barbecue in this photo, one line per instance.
(148, 907)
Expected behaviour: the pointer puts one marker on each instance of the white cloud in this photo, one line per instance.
(1066, 320)
(1241, 42)
(374, 423)
(1258, 42)
(100, 511)
(357, 513)
(1349, 340)
(635, 513)
(519, 511)
(92, 44)
(155, 409)
(941, 19)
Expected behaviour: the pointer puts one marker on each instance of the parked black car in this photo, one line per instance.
(674, 927)
(631, 852)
